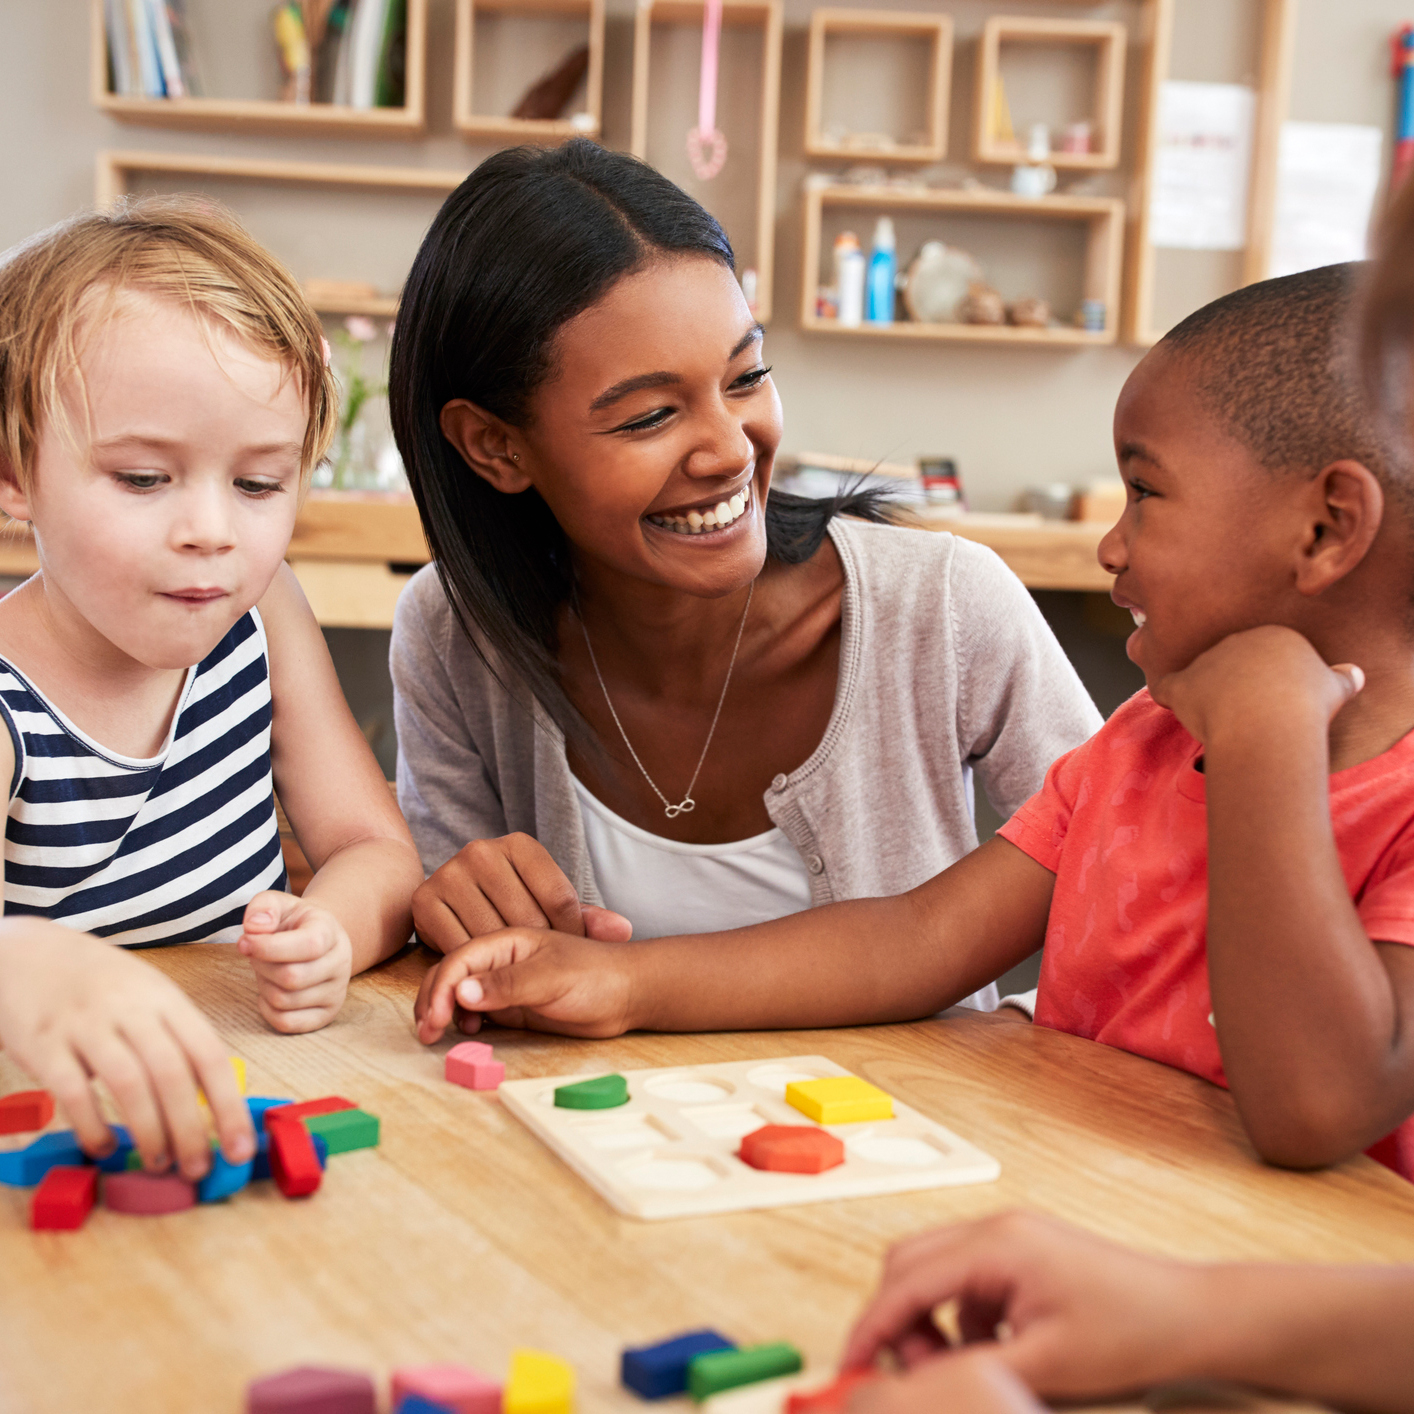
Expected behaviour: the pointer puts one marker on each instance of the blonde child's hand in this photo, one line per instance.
(528, 977)
(1087, 1319)
(1248, 678)
(974, 1383)
(510, 882)
(75, 1010)
(302, 958)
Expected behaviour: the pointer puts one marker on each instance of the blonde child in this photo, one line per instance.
(164, 396)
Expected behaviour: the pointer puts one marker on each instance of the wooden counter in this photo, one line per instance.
(462, 1236)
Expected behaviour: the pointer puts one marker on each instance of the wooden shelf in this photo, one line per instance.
(936, 30)
(1277, 46)
(1103, 218)
(371, 526)
(765, 14)
(382, 307)
(1058, 554)
(1106, 115)
(268, 115)
(534, 130)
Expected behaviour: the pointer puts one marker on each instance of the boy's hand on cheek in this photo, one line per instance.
(1253, 680)
(302, 959)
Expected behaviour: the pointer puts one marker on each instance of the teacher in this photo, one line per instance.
(636, 691)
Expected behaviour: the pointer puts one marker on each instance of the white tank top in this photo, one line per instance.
(663, 887)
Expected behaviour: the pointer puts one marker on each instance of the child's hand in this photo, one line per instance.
(974, 1383)
(1087, 1319)
(302, 959)
(1244, 680)
(528, 977)
(76, 1009)
(511, 882)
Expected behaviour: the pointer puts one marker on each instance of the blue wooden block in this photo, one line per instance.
(23, 1168)
(223, 1179)
(258, 1104)
(260, 1165)
(416, 1404)
(117, 1161)
(657, 1371)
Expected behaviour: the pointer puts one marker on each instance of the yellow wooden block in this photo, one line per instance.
(839, 1099)
(237, 1065)
(538, 1384)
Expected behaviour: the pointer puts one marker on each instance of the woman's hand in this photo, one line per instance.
(1086, 1319)
(302, 958)
(75, 1010)
(510, 882)
(532, 978)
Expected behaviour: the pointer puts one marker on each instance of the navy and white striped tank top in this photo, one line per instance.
(157, 851)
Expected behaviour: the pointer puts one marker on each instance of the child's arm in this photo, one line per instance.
(1315, 1021)
(1089, 1320)
(357, 908)
(871, 960)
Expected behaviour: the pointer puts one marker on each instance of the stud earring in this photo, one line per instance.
(515, 457)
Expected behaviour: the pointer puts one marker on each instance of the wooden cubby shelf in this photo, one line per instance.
(1102, 217)
(258, 115)
(936, 31)
(115, 171)
(506, 130)
(1108, 40)
(765, 15)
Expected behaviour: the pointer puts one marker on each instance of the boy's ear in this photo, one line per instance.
(485, 443)
(1347, 505)
(13, 501)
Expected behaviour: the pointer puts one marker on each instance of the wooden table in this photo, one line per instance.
(462, 1237)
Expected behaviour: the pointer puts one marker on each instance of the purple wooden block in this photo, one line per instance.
(310, 1389)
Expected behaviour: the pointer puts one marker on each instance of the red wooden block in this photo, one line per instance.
(330, 1104)
(791, 1148)
(63, 1199)
(309, 1389)
(147, 1194)
(833, 1399)
(25, 1110)
(293, 1163)
(472, 1064)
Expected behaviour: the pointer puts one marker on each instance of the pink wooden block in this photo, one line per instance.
(454, 1387)
(147, 1193)
(309, 1389)
(473, 1064)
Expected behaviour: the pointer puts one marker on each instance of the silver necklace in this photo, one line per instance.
(687, 803)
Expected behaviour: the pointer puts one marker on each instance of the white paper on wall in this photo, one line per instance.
(1202, 166)
(1327, 177)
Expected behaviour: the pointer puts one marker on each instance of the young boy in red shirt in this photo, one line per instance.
(1223, 876)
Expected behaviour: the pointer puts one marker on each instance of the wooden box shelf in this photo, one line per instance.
(936, 31)
(257, 115)
(766, 16)
(1101, 217)
(1108, 40)
(502, 129)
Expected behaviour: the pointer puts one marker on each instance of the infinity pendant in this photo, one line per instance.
(673, 811)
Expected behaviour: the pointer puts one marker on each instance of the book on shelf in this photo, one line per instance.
(149, 49)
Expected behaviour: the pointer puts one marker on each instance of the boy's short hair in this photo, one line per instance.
(1276, 363)
(186, 249)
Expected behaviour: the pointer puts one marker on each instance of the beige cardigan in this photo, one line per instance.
(946, 669)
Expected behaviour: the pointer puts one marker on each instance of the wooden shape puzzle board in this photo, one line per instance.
(670, 1152)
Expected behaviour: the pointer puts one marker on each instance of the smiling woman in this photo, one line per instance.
(635, 677)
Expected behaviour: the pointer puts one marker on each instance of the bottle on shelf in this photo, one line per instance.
(849, 280)
(883, 273)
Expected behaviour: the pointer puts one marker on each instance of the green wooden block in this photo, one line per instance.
(604, 1092)
(716, 1370)
(133, 1163)
(344, 1130)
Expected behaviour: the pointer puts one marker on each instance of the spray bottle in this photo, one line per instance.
(883, 272)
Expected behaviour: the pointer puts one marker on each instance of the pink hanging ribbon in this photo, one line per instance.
(706, 145)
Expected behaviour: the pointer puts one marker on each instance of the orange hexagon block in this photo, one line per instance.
(791, 1148)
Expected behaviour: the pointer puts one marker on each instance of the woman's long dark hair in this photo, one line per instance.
(532, 238)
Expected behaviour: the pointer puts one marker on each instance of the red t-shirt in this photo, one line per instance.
(1122, 823)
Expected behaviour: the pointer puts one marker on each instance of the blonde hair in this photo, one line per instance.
(186, 249)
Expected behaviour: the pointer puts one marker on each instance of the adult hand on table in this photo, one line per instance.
(510, 882)
(531, 978)
(75, 1009)
(975, 1383)
(1085, 1318)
